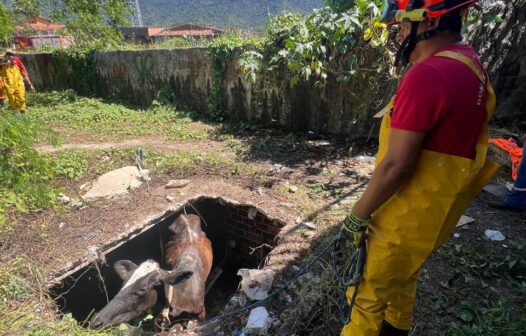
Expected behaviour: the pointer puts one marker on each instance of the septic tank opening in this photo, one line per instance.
(241, 237)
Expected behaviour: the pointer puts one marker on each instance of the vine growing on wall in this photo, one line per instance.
(76, 68)
(222, 50)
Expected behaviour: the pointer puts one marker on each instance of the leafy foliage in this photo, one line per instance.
(6, 23)
(24, 174)
(326, 43)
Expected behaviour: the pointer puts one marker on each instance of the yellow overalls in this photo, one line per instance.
(413, 223)
(14, 87)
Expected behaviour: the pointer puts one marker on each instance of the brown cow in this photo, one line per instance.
(191, 250)
(188, 253)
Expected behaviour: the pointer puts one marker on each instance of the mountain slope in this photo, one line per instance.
(249, 14)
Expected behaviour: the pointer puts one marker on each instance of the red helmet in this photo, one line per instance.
(396, 11)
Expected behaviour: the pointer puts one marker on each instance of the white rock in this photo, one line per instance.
(115, 183)
(170, 199)
(105, 158)
(75, 204)
(310, 225)
(83, 186)
(61, 225)
(293, 189)
(258, 321)
(172, 184)
(63, 198)
(456, 235)
(256, 283)
(494, 235)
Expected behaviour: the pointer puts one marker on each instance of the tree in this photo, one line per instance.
(500, 38)
(6, 23)
(88, 21)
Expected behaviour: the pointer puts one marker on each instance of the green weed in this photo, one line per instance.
(66, 111)
(26, 309)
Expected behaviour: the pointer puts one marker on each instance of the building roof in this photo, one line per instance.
(39, 24)
(189, 29)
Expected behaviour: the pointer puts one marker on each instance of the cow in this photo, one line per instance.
(192, 250)
(188, 254)
(138, 294)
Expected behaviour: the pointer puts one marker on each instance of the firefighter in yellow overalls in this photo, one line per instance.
(13, 84)
(430, 166)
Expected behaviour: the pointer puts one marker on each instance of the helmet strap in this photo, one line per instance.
(407, 47)
(409, 44)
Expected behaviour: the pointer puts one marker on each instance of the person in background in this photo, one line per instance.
(2, 94)
(13, 83)
(18, 62)
(516, 198)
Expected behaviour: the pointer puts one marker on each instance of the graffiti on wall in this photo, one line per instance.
(144, 68)
(120, 70)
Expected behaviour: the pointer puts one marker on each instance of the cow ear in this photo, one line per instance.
(243, 272)
(124, 267)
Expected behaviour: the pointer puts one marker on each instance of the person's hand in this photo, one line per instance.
(32, 88)
(354, 227)
(352, 230)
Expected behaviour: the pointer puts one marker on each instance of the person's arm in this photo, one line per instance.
(397, 166)
(24, 73)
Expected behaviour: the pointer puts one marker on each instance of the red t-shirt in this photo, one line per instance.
(445, 99)
(20, 65)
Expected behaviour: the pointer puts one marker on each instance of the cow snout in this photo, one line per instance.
(96, 323)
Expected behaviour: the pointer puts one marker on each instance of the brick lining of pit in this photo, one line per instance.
(83, 291)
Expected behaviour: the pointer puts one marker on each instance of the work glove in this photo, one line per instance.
(349, 239)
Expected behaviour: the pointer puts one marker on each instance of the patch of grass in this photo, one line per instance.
(488, 280)
(26, 309)
(188, 163)
(71, 113)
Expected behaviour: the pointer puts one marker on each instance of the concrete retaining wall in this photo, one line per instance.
(138, 76)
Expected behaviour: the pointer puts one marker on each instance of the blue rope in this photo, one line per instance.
(353, 278)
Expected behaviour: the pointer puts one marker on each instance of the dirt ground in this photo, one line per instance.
(329, 175)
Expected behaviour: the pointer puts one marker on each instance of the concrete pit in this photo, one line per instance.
(241, 237)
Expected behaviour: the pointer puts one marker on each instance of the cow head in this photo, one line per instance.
(138, 294)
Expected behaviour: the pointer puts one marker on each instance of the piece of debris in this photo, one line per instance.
(105, 158)
(293, 188)
(364, 158)
(256, 283)
(170, 199)
(497, 190)
(76, 204)
(258, 321)
(116, 183)
(63, 198)
(309, 225)
(83, 186)
(173, 184)
(89, 235)
(465, 220)
(456, 235)
(494, 235)
(61, 225)
(252, 212)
